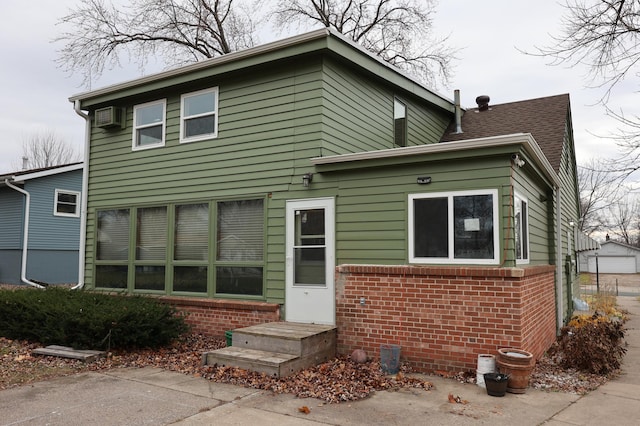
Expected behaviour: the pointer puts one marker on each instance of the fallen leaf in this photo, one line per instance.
(304, 409)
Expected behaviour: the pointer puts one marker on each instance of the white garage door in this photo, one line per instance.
(613, 264)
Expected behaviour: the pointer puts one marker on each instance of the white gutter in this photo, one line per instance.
(25, 237)
(84, 197)
(559, 276)
(525, 139)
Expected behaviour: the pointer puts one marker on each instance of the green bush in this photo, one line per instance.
(595, 346)
(87, 320)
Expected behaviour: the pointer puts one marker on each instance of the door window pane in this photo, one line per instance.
(309, 247)
(192, 232)
(151, 238)
(113, 235)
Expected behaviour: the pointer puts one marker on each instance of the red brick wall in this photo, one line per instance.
(444, 317)
(213, 317)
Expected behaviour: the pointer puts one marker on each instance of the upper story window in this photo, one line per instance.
(199, 115)
(454, 227)
(149, 125)
(521, 225)
(66, 203)
(399, 123)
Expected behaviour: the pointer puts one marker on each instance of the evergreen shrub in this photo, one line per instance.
(88, 320)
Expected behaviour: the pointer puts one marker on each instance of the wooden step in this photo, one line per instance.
(270, 363)
(277, 349)
(286, 337)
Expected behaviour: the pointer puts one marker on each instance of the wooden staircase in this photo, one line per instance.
(277, 349)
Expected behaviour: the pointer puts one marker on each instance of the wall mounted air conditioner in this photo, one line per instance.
(109, 117)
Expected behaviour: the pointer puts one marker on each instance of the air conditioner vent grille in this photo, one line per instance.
(109, 117)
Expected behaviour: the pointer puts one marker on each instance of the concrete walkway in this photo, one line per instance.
(155, 397)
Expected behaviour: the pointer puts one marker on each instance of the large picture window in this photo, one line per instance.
(521, 225)
(458, 227)
(199, 115)
(214, 247)
(149, 125)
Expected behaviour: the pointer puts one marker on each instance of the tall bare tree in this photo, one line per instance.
(624, 220)
(46, 149)
(178, 31)
(399, 31)
(604, 36)
(598, 190)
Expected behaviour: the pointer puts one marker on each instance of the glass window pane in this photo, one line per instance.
(67, 198)
(199, 104)
(240, 230)
(151, 233)
(192, 232)
(309, 227)
(113, 235)
(430, 227)
(110, 276)
(149, 278)
(190, 279)
(66, 208)
(473, 227)
(149, 135)
(400, 123)
(309, 267)
(239, 280)
(149, 114)
(199, 126)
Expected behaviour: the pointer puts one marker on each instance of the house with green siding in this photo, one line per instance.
(306, 180)
(40, 225)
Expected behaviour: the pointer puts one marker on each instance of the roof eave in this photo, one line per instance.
(525, 139)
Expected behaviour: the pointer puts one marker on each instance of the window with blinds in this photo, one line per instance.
(151, 233)
(191, 233)
(113, 235)
(240, 230)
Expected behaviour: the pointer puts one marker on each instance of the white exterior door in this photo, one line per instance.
(310, 261)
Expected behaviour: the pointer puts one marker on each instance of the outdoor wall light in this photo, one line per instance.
(306, 179)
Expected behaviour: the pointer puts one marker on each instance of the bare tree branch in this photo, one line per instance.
(46, 149)
(178, 31)
(399, 31)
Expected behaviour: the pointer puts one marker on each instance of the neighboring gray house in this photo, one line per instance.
(613, 258)
(40, 225)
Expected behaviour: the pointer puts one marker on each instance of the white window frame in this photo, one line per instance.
(183, 118)
(396, 102)
(519, 199)
(135, 145)
(55, 203)
(450, 225)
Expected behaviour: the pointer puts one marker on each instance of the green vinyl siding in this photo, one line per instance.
(358, 114)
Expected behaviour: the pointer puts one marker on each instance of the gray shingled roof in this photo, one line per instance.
(545, 118)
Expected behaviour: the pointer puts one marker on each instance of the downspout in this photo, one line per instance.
(84, 197)
(25, 237)
(559, 277)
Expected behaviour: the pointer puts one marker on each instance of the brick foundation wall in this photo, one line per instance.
(212, 317)
(444, 317)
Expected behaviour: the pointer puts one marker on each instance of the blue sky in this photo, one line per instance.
(35, 93)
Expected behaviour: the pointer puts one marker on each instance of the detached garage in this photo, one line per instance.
(614, 258)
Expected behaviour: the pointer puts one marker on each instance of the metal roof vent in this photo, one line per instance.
(483, 102)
